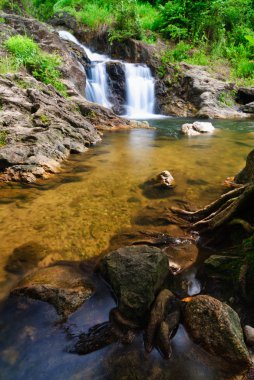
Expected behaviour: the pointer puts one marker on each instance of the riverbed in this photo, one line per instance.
(74, 216)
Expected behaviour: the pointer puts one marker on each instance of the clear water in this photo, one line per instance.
(75, 214)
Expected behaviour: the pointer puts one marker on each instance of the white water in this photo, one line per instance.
(140, 91)
(140, 85)
(194, 286)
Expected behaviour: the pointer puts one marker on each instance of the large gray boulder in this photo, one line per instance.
(136, 274)
(248, 108)
(216, 327)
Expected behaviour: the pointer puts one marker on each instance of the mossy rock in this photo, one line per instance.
(136, 274)
(216, 327)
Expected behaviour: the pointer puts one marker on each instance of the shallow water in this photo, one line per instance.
(74, 215)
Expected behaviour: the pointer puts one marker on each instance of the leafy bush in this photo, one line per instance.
(42, 66)
(127, 23)
(23, 48)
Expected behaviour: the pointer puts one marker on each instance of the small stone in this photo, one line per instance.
(197, 128)
(166, 179)
(249, 335)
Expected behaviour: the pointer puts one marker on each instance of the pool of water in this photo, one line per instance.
(74, 215)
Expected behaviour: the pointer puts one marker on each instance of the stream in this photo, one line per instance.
(74, 216)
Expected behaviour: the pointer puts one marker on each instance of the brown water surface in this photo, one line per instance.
(75, 214)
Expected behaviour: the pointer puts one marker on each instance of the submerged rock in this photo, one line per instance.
(25, 257)
(62, 285)
(197, 128)
(166, 179)
(136, 274)
(216, 327)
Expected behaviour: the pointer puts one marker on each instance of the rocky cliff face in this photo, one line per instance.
(39, 128)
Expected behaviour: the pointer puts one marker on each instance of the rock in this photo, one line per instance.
(248, 108)
(203, 127)
(188, 90)
(188, 130)
(166, 179)
(246, 175)
(42, 127)
(245, 95)
(249, 335)
(216, 327)
(63, 285)
(135, 274)
(116, 83)
(25, 257)
(197, 128)
(50, 41)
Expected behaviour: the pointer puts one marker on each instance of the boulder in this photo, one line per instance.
(216, 327)
(188, 90)
(116, 83)
(136, 274)
(197, 128)
(63, 285)
(248, 108)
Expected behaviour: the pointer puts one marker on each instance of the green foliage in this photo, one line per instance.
(127, 23)
(22, 48)
(7, 65)
(3, 136)
(44, 119)
(41, 65)
(227, 98)
(205, 31)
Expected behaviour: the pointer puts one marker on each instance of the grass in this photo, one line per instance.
(43, 66)
(227, 98)
(3, 136)
(8, 65)
(92, 13)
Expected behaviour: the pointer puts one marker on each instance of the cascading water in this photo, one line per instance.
(139, 90)
(96, 88)
(139, 83)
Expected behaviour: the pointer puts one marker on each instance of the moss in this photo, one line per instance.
(227, 98)
(44, 119)
(21, 83)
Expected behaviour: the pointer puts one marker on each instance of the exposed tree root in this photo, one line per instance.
(228, 208)
(193, 216)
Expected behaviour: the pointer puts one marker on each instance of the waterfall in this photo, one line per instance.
(139, 90)
(139, 83)
(96, 88)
